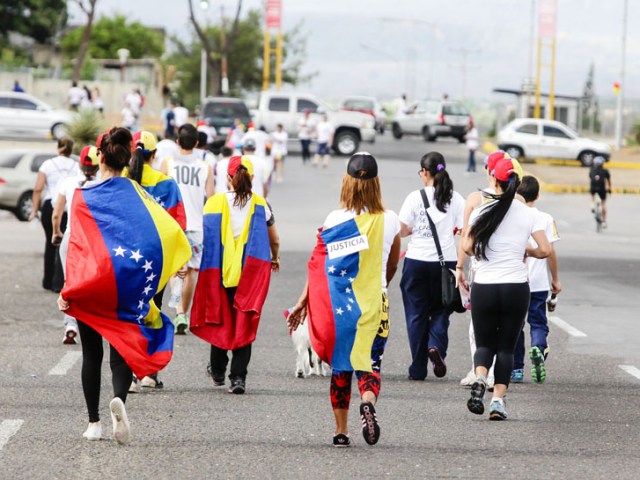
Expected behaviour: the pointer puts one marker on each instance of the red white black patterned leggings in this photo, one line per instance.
(367, 381)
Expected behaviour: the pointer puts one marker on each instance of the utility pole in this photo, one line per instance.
(464, 66)
(623, 86)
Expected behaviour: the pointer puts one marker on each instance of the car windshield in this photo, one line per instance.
(225, 111)
(359, 104)
(454, 109)
(9, 160)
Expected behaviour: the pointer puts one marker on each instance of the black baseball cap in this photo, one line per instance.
(362, 165)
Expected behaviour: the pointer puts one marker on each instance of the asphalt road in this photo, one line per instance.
(582, 423)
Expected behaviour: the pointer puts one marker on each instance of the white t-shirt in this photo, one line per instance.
(75, 95)
(68, 187)
(421, 245)
(180, 116)
(305, 126)
(391, 229)
(473, 139)
(190, 173)
(207, 156)
(134, 101)
(165, 149)
(221, 175)
(505, 251)
(211, 132)
(260, 138)
(261, 172)
(239, 214)
(279, 143)
(324, 130)
(537, 267)
(55, 169)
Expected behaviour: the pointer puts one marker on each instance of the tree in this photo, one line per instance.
(590, 104)
(244, 51)
(37, 19)
(110, 34)
(89, 8)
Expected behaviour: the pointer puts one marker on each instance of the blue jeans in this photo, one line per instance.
(427, 320)
(471, 165)
(537, 318)
(306, 153)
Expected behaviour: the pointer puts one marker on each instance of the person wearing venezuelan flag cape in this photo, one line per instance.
(345, 297)
(239, 253)
(123, 248)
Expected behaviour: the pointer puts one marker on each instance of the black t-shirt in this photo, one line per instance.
(598, 176)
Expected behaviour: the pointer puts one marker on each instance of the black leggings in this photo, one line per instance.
(92, 353)
(53, 278)
(498, 312)
(240, 358)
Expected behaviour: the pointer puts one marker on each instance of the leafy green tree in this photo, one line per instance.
(37, 19)
(243, 51)
(112, 33)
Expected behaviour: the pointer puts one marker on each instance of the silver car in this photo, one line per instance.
(23, 114)
(18, 172)
(433, 119)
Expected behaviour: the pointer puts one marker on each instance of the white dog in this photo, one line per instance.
(307, 361)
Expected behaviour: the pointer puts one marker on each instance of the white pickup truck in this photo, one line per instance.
(351, 128)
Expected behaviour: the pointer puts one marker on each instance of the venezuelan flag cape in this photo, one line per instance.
(234, 276)
(345, 288)
(166, 192)
(123, 248)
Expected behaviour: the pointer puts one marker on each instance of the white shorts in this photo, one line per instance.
(195, 240)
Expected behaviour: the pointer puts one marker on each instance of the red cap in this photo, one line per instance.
(493, 158)
(89, 156)
(236, 162)
(503, 169)
(99, 140)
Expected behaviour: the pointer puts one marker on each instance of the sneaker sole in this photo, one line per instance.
(121, 430)
(69, 338)
(476, 403)
(497, 416)
(439, 367)
(370, 427)
(238, 390)
(181, 329)
(538, 371)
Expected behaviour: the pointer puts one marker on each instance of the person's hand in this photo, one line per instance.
(56, 240)
(33, 215)
(297, 315)
(62, 303)
(182, 272)
(275, 265)
(461, 281)
(556, 287)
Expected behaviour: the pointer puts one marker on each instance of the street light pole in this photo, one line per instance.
(623, 85)
(204, 5)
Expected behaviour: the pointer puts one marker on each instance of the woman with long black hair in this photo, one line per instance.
(427, 319)
(498, 240)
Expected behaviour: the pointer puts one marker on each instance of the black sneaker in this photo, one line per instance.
(341, 440)
(370, 427)
(476, 403)
(237, 386)
(218, 380)
(439, 367)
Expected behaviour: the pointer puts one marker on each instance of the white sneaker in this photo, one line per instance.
(70, 334)
(93, 431)
(135, 385)
(469, 379)
(121, 428)
(150, 382)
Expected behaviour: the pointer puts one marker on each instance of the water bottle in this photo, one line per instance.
(552, 302)
(176, 292)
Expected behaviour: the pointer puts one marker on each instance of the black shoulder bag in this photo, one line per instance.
(450, 294)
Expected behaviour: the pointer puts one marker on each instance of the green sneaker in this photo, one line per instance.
(181, 324)
(538, 372)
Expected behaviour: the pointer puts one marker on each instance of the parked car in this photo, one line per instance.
(220, 112)
(368, 105)
(433, 119)
(351, 128)
(18, 172)
(23, 114)
(541, 138)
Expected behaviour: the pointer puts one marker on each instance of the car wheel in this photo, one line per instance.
(461, 139)
(58, 131)
(427, 135)
(346, 143)
(514, 152)
(25, 207)
(586, 158)
(396, 131)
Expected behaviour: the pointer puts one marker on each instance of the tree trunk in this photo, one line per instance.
(84, 44)
(213, 70)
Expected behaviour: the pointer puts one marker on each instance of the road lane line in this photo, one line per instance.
(63, 366)
(631, 370)
(574, 332)
(8, 428)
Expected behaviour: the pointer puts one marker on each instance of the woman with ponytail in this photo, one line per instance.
(498, 240)
(240, 250)
(436, 203)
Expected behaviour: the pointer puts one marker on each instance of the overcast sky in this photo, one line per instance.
(385, 48)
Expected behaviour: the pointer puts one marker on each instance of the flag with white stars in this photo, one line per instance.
(345, 291)
(124, 249)
(165, 192)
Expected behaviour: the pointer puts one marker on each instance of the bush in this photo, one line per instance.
(85, 128)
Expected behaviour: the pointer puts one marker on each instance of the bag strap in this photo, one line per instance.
(434, 232)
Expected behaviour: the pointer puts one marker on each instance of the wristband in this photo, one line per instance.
(459, 267)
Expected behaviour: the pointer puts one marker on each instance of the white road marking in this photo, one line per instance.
(63, 366)
(631, 370)
(574, 332)
(8, 428)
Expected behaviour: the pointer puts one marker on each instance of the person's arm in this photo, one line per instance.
(543, 250)
(37, 192)
(607, 182)
(209, 186)
(299, 310)
(394, 258)
(552, 262)
(473, 200)
(405, 230)
(164, 168)
(274, 245)
(56, 218)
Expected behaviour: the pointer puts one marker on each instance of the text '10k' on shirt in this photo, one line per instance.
(190, 173)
